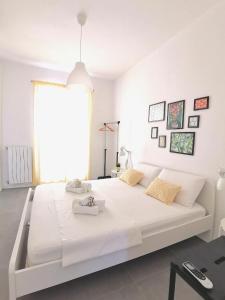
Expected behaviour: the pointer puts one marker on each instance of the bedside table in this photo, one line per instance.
(208, 258)
(115, 173)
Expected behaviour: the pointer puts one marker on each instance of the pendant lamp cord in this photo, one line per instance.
(80, 40)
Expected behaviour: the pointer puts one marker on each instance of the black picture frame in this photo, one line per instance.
(206, 98)
(151, 106)
(181, 125)
(198, 121)
(152, 129)
(172, 150)
(164, 137)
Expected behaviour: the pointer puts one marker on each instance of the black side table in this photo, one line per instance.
(210, 259)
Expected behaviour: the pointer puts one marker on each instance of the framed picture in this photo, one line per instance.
(162, 141)
(201, 103)
(154, 132)
(156, 112)
(193, 121)
(175, 115)
(182, 142)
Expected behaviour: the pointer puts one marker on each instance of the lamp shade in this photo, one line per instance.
(221, 181)
(80, 76)
(220, 184)
(122, 151)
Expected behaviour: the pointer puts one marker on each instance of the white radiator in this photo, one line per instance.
(19, 164)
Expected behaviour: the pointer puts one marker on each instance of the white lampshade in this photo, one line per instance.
(221, 181)
(128, 162)
(220, 184)
(80, 76)
(122, 151)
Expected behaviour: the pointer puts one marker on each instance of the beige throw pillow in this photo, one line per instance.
(163, 190)
(131, 176)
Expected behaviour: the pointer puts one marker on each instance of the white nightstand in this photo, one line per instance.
(222, 227)
(115, 173)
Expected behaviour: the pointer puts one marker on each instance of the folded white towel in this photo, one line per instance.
(86, 210)
(75, 190)
(84, 188)
(76, 183)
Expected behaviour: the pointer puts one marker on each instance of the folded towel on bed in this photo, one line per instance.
(86, 186)
(76, 183)
(72, 186)
(87, 210)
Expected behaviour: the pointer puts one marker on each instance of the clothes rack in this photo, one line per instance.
(107, 127)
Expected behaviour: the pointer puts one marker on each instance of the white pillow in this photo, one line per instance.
(150, 172)
(191, 185)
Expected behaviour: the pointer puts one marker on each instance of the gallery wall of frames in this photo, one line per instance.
(173, 115)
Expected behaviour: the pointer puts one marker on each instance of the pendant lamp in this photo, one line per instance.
(79, 75)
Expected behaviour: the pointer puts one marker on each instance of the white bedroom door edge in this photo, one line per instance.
(1, 100)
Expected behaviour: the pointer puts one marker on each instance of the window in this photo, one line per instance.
(62, 133)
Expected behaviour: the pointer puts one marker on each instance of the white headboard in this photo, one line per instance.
(207, 197)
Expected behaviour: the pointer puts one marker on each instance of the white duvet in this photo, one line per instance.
(55, 233)
(85, 237)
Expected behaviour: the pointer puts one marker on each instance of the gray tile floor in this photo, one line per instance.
(145, 278)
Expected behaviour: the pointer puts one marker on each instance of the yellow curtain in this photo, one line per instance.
(69, 150)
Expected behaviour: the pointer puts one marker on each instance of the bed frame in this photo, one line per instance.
(25, 280)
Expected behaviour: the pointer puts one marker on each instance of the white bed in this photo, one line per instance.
(149, 214)
(36, 261)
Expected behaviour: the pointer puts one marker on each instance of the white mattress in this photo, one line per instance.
(150, 215)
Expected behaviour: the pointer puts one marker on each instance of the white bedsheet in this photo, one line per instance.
(149, 214)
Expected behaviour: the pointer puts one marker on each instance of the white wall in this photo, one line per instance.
(17, 116)
(102, 112)
(190, 65)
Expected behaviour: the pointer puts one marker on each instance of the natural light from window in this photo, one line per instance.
(62, 131)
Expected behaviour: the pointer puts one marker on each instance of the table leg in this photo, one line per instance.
(172, 283)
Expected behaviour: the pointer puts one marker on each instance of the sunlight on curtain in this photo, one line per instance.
(62, 133)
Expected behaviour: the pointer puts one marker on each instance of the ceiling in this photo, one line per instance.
(117, 34)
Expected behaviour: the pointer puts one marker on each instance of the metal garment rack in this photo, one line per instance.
(105, 149)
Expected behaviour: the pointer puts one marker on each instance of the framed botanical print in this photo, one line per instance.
(182, 142)
(175, 115)
(154, 132)
(162, 141)
(201, 103)
(193, 121)
(156, 112)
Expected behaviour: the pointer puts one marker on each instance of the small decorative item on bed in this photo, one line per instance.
(175, 115)
(154, 132)
(193, 121)
(201, 103)
(157, 112)
(162, 141)
(88, 206)
(182, 142)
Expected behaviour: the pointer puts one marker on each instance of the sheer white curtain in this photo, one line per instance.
(62, 133)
